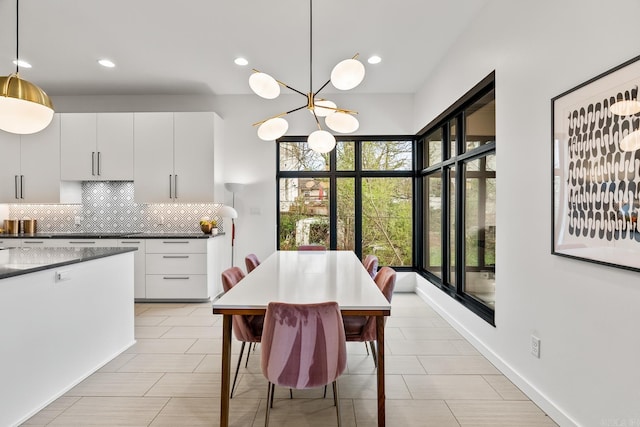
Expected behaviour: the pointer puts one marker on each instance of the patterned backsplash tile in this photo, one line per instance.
(108, 206)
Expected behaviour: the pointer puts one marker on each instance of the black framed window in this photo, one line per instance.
(457, 152)
(357, 197)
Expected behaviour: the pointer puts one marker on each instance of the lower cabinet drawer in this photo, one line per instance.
(174, 286)
(176, 263)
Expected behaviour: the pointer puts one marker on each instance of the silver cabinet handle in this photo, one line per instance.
(34, 242)
(175, 256)
(82, 242)
(22, 186)
(16, 185)
(93, 163)
(170, 193)
(130, 241)
(175, 186)
(99, 165)
(176, 277)
(175, 241)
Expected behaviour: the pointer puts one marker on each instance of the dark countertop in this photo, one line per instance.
(18, 261)
(110, 235)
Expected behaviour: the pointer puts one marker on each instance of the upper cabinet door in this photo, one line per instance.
(9, 167)
(40, 165)
(153, 157)
(114, 148)
(78, 157)
(194, 159)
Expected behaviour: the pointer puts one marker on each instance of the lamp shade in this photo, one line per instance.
(273, 129)
(234, 187)
(321, 141)
(347, 74)
(324, 112)
(630, 142)
(228, 212)
(342, 122)
(264, 85)
(24, 107)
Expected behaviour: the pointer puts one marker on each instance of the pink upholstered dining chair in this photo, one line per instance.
(303, 346)
(363, 328)
(251, 261)
(371, 265)
(312, 248)
(247, 329)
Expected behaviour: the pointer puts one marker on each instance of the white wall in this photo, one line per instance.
(248, 159)
(586, 315)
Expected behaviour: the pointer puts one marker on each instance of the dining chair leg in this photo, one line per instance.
(269, 399)
(273, 391)
(248, 353)
(373, 353)
(335, 399)
(366, 346)
(235, 377)
(324, 395)
(337, 402)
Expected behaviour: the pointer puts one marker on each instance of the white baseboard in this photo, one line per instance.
(536, 396)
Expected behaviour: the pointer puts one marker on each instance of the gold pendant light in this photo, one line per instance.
(24, 107)
(346, 75)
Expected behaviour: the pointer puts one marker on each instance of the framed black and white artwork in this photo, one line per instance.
(596, 169)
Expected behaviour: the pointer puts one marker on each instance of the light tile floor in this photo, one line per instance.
(171, 377)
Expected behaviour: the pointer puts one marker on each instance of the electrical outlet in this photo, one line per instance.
(78, 220)
(535, 346)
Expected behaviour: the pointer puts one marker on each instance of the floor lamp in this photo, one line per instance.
(233, 187)
(229, 212)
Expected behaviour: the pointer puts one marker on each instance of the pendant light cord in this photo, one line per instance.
(17, 33)
(310, 46)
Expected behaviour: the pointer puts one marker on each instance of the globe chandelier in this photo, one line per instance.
(345, 75)
(24, 107)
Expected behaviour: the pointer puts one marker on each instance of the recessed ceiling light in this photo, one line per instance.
(21, 63)
(106, 63)
(375, 59)
(241, 61)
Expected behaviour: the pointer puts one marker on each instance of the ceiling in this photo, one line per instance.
(188, 46)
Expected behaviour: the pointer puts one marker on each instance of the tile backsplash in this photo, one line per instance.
(108, 206)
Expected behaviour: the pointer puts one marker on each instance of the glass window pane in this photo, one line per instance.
(297, 156)
(480, 122)
(304, 212)
(433, 148)
(346, 214)
(433, 223)
(480, 228)
(345, 155)
(387, 155)
(387, 220)
(452, 226)
(453, 139)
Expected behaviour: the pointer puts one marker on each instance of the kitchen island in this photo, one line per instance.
(64, 313)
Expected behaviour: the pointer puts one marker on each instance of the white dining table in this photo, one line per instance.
(304, 277)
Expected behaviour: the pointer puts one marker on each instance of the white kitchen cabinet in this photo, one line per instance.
(30, 168)
(10, 243)
(96, 146)
(40, 243)
(139, 281)
(177, 157)
(178, 269)
(68, 243)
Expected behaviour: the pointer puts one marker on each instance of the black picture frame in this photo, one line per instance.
(595, 169)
